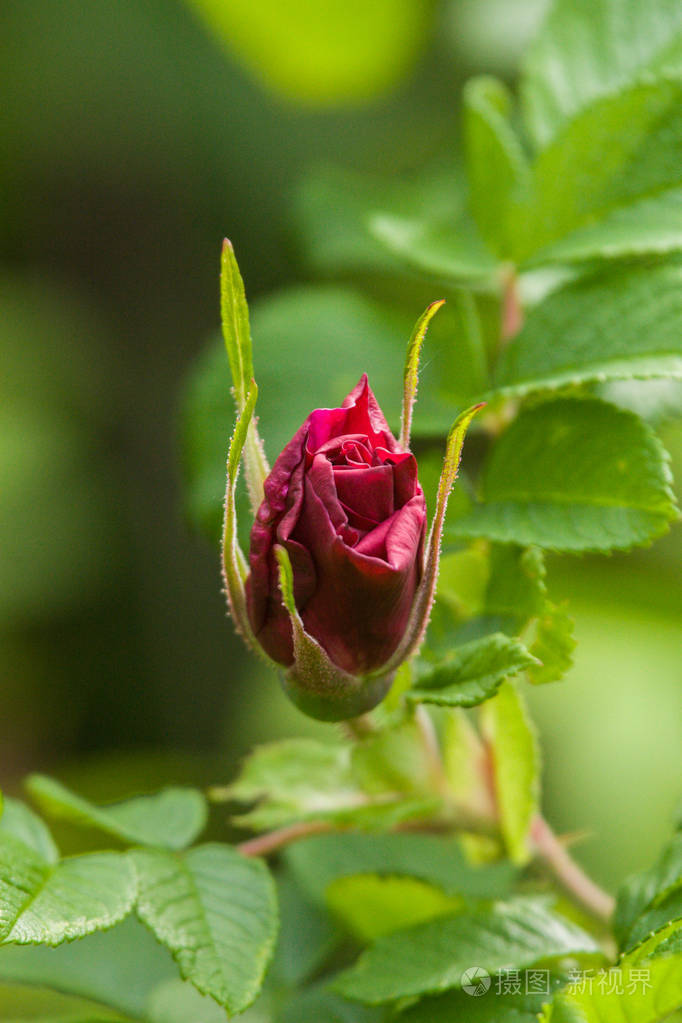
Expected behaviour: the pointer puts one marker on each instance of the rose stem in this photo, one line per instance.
(512, 313)
(599, 903)
(262, 845)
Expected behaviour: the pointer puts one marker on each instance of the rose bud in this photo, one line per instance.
(342, 575)
(344, 501)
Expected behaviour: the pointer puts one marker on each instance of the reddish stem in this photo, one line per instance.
(262, 845)
(568, 873)
(512, 313)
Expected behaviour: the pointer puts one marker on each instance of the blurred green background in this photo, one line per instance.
(135, 135)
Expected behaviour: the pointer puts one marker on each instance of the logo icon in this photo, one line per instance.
(475, 981)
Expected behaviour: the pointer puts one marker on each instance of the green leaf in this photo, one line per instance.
(450, 249)
(21, 1003)
(491, 1007)
(496, 163)
(320, 1005)
(553, 646)
(338, 53)
(648, 226)
(472, 673)
(118, 968)
(665, 911)
(462, 581)
(304, 779)
(21, 822)
(574, 475)
(463, 751)
(589, 49)
(393, 760)
(333, 207)
(350, 221)
(646, 992)
(295, 779)
(516, 766)
(432, 957)
(516, 590)
(317, 862)
(600, 328)
(172, 818)
(623, 149)
(370, 905)
(176, 1001)
(45, 903)
(647, 889)
(216, 911)
(307, 935)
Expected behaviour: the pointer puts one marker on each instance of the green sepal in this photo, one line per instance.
(411, 371)
(234, 313)
(234, 562)
(314, 683)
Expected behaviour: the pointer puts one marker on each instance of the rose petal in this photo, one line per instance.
(361, 605)
(369, 411)
(368, 492)
(331, 500)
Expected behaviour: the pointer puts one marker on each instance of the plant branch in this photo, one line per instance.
(576, 882)
(512, 313)
(271, 841)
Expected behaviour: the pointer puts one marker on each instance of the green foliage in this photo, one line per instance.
(472, 673)
(176, 1002)
(516, 590)
(321, 56)
(646, 992)
(319, 1003)
(618, 151)
(50, 903)
(214, 909)
(574, 475)
(586, 51)
(492, 1007)
(644, 901)
(553, 646)
(119, 968)
(516, 764)
(308, 780)
(216, 912)
(450, 249)
(318, 862)
(332, 206)
(432, 957)
(371, 905)
(599, 328)
(16, 819)
(496, 162)
(172, 818)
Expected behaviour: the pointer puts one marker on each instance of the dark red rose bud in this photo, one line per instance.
(342, 576)
(343, 500)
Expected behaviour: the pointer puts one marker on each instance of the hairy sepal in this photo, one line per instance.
(314, 683)
(237, 334)
(421, 610)
(234, 563)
